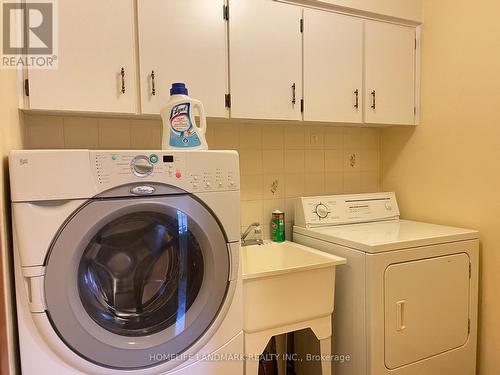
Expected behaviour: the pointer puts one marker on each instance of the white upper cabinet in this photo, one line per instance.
(96, 44)
(265, 59)
(183, 41)
(389, 73)
(333, 67)
(248, 59)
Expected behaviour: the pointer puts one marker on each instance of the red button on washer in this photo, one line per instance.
(178, 174)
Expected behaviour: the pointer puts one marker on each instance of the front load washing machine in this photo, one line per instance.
(406, 301)
(127, 262)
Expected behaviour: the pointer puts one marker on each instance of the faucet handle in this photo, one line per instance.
(258, 235)
(257, 231)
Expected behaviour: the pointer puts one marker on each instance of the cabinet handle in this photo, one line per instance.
(293, 94)
(356, 98)
(374, 99)
(400, 315)
(122, 73)
(153, 86)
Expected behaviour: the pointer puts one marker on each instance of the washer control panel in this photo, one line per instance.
(191, 171)
(345, 209)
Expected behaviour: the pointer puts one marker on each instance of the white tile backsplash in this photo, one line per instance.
(81, 132)
(114, 133)
(44, 132)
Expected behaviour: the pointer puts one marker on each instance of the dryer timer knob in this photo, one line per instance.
(322, 211)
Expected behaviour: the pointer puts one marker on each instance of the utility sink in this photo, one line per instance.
(285, 283)
(274, 258)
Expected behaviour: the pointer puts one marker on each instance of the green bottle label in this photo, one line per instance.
(278, 226)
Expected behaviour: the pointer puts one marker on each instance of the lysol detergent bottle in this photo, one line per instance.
(180, 130)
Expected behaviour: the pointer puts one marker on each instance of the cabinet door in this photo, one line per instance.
(390, 73)
(333, 67)
(183, 41)
(96, 40)
(426, 308)
(266, 59)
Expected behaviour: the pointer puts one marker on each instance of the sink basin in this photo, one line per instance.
(285, 283)
(275, 258)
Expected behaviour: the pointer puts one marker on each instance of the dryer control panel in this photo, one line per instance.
(345, 209)
(191, 171)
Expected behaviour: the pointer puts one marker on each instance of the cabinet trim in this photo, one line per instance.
(319, 5)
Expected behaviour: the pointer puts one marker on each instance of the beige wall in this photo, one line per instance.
(297, 159)
(447, 169)
(10, 137)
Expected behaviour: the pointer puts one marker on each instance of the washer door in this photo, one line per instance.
(134, 282)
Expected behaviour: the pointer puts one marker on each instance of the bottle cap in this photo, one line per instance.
(178, 89)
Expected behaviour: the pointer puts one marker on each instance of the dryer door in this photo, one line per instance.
(134, 282)
(426, 308)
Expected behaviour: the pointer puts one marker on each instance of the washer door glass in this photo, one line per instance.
(140, 273)
(134, 282)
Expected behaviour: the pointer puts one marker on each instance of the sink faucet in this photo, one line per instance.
(257, 241)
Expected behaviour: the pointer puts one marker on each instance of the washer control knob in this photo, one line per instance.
(322, 211)
(141, 166)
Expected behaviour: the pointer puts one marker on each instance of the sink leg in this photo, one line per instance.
(322, 328)
(281, 351)
(255, 343)
(326, 352)
(252, 366)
